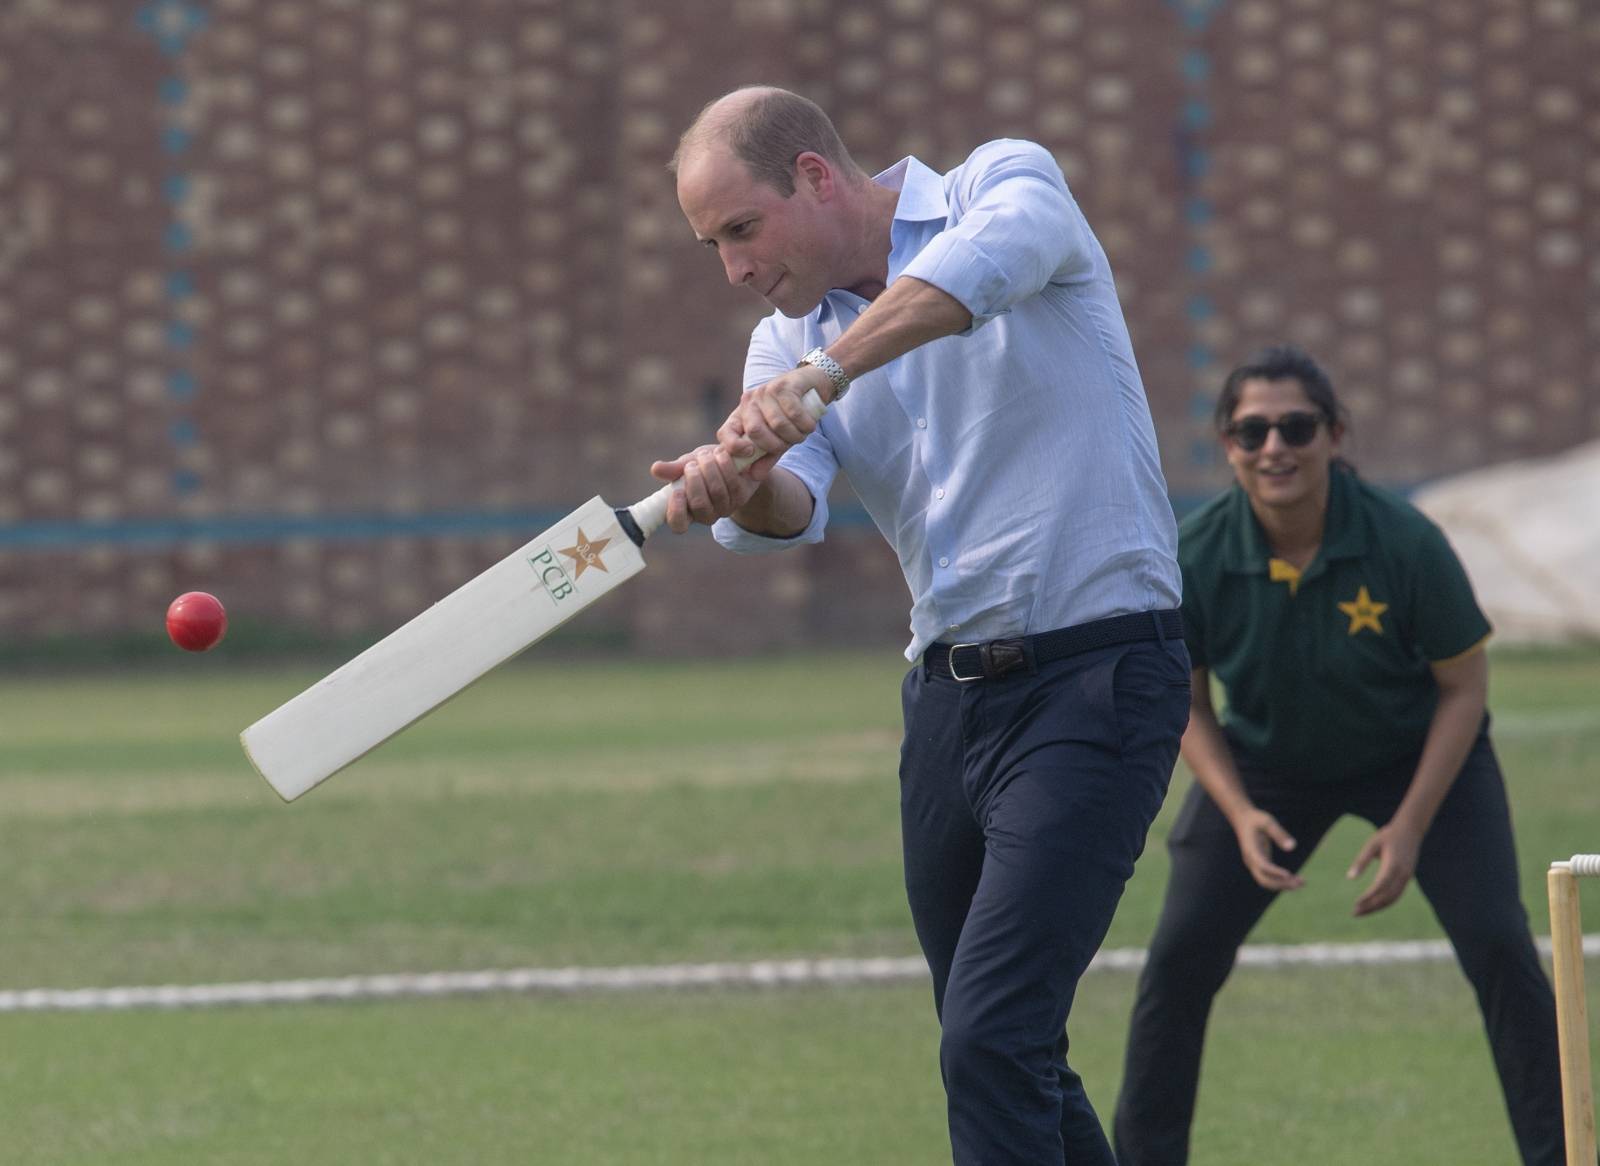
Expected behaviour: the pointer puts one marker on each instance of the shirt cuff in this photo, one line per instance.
(741, 541)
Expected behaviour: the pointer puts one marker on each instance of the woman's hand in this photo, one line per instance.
(1257, 832)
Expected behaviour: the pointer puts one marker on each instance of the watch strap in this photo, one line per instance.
(830, 367)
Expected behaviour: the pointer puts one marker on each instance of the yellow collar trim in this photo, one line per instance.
(1283, 571)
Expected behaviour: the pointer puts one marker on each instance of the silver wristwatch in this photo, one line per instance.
(817, 358)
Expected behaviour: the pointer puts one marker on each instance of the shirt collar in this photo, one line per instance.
(921, 191)
(1346, 534)
(1343, 536)
(921, 201)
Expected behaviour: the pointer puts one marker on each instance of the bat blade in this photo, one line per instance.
(416, 668)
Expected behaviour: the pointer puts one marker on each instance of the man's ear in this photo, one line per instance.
(814, 173)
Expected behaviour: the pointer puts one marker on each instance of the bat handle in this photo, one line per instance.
(649, 513)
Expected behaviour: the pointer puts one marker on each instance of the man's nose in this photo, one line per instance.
(738, 269)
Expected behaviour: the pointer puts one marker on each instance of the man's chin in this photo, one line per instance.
(792, 311)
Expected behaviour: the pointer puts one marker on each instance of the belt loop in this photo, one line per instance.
(1161, 631)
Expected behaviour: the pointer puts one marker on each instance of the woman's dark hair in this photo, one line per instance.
(1281, 362)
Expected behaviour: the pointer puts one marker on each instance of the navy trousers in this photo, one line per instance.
(1024, 804)
(1467, 868)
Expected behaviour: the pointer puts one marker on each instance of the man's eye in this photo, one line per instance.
(740, 230)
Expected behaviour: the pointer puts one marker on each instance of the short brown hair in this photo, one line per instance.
(767, 133)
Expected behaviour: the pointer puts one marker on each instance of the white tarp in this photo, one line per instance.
(1528, 533)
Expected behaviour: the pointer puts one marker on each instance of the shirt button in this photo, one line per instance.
(922, 422)
(944, 561)
(939, 493)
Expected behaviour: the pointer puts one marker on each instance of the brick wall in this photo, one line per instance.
(326, 304)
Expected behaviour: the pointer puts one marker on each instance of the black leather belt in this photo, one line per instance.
(997, 658)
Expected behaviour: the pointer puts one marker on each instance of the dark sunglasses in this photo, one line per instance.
(1251, 432)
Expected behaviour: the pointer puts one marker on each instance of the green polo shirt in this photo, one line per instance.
(1326, 671)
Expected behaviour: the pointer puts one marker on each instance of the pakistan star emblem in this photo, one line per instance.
(586, 554)
(1364, 613)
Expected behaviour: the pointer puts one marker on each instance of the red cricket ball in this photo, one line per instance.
(196, 621)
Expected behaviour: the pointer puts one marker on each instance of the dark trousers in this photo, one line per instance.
(1467, 868)
(1024, 803)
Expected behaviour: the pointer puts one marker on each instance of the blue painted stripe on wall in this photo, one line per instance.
(171, 23)
(269, 528)
(1194, 118)
(266, 529)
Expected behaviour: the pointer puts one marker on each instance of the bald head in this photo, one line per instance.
(767, 129)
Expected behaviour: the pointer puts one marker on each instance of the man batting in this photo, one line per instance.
(987, 410)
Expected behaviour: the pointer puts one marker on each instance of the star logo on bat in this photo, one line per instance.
(586, 554)
(1364, 611)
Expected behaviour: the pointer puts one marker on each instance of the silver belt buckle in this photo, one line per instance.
(956, 676)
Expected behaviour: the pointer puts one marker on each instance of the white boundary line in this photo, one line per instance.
(661, 977)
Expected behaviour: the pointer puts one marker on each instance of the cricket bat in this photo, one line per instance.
(480, 625)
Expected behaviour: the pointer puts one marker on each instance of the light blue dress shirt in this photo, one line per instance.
(1013, 467)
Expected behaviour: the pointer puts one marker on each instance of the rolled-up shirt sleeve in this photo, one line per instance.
(1015, 228)
(812, 461)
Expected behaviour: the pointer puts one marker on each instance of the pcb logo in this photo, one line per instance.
(552, 572)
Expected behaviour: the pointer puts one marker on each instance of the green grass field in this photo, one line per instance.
(577, 813)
